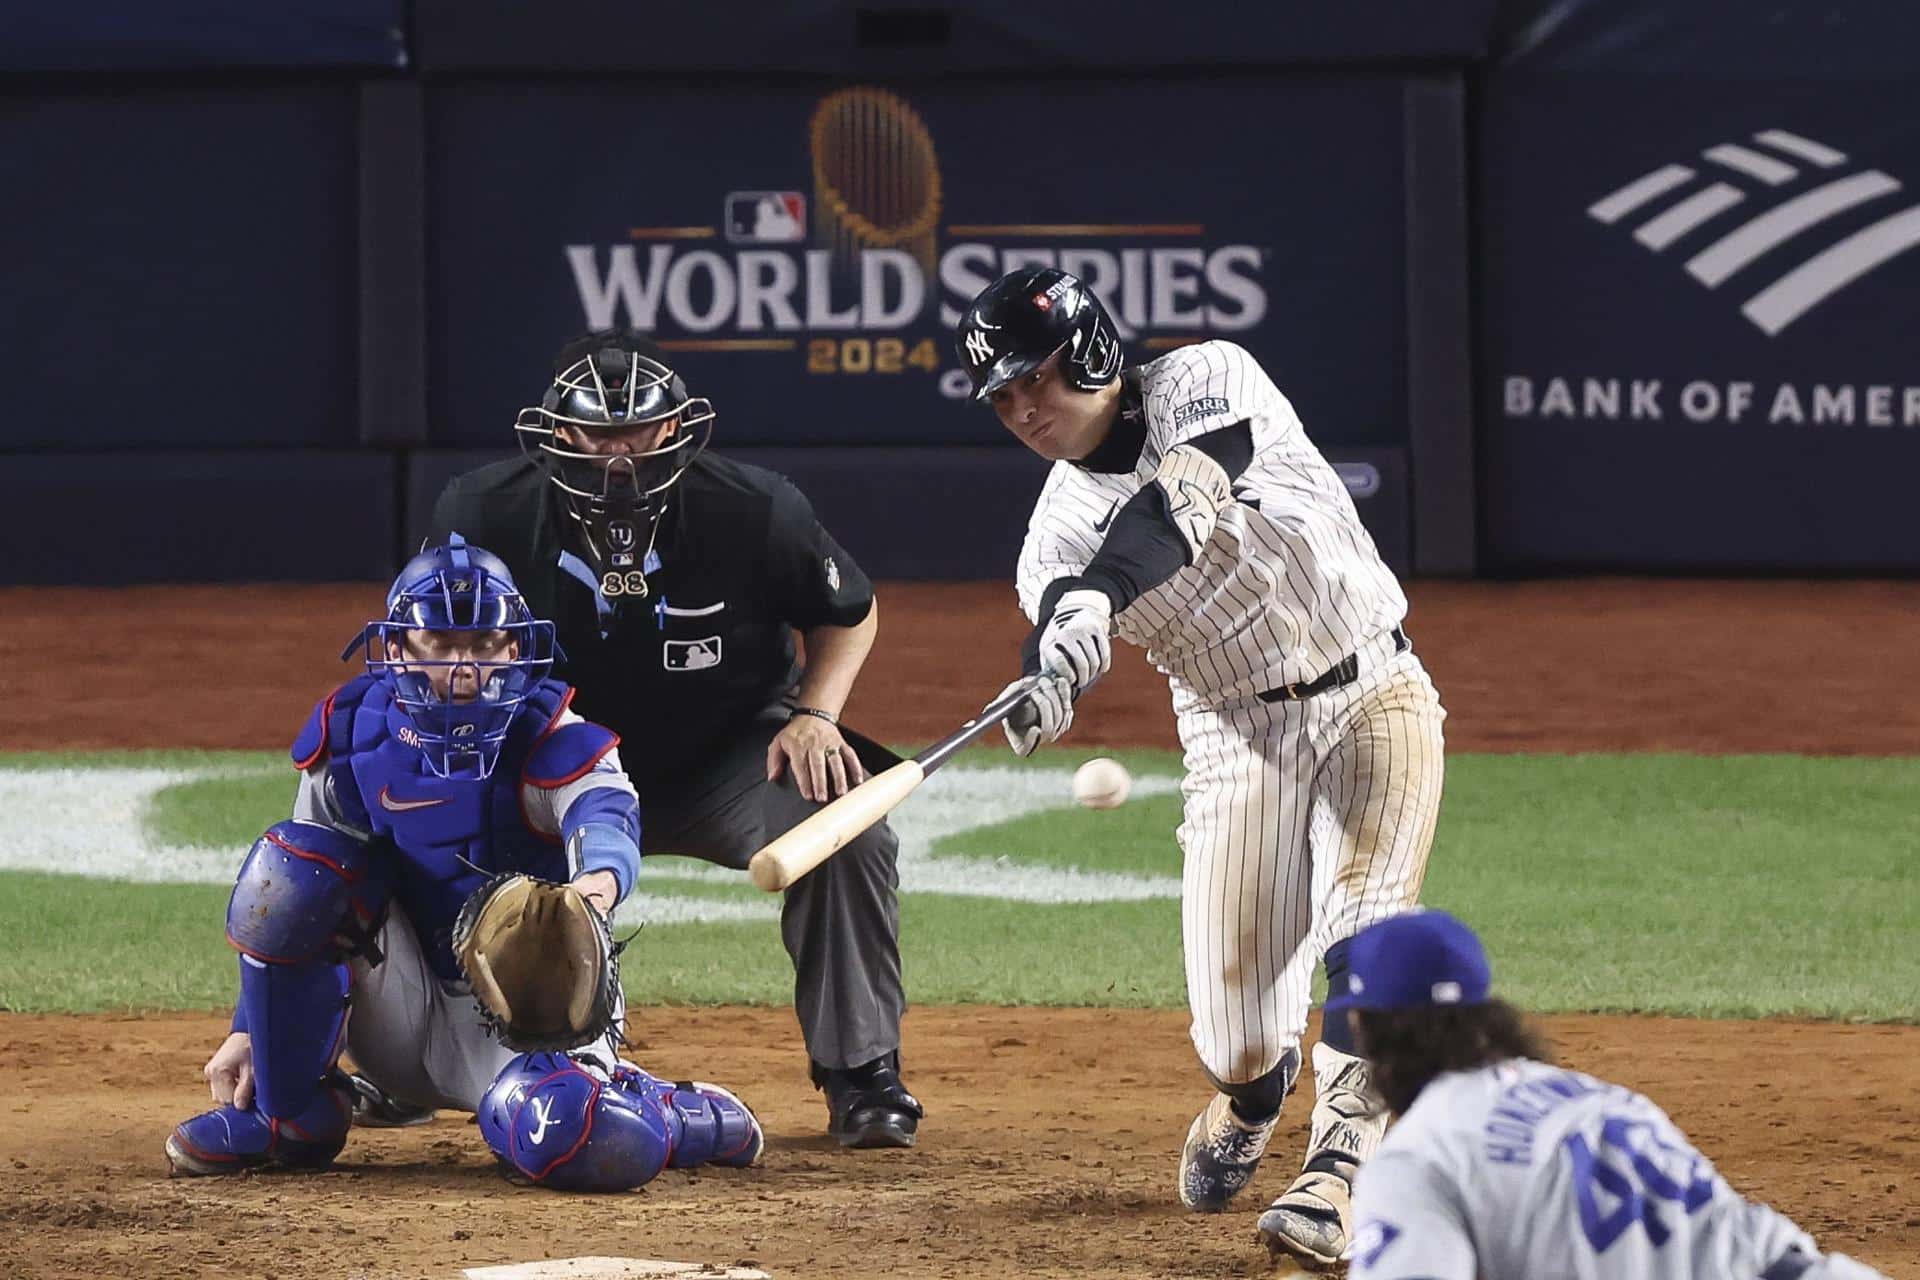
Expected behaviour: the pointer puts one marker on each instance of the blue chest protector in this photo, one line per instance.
(441, 829)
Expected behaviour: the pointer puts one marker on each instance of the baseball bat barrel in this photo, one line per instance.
(826, 830)
(829, 828)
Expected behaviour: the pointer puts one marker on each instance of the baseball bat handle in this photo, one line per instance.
(828, 829)
(992, 714)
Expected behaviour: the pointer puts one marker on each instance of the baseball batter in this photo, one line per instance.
(1188, 511)
(451, 760)
(1504, 1167)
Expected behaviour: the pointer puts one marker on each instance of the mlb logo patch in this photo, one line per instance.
(766, 217)
(691, 655)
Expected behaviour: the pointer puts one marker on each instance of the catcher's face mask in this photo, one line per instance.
(460, 653)
(616, 431)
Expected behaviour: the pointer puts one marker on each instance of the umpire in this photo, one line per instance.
(675, 580)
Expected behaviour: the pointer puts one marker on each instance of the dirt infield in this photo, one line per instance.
(1052, 1134)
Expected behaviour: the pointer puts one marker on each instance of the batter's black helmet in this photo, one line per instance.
(1027, 315)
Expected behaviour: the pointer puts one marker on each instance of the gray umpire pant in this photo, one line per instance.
(840, 922)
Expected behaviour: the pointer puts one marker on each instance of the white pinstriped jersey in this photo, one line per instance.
(1290, 582)
(1524, 1170)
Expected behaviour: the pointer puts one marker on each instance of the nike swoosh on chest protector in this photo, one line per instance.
(392, 805)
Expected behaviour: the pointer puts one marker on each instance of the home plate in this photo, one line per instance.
(610, 1269)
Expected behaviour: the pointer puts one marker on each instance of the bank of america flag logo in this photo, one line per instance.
(1779, 164)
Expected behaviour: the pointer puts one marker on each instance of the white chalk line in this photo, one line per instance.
(90, 822)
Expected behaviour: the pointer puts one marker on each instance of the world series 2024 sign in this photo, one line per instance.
(810, 252)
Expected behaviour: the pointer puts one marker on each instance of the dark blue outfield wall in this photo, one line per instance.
(260, 308)
(1698, 258)
(265, 278)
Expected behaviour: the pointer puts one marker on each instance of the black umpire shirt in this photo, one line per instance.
(685, 669)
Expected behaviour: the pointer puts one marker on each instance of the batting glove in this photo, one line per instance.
(1042, 716)
(1074, 643)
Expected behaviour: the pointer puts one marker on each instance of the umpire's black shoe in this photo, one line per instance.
(867, 1106)
(375, 1108)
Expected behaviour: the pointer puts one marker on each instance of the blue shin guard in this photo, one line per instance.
(562, 1123)
(295, 1016)
(301, 1112)
(303, 897)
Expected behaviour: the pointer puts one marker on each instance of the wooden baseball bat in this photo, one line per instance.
(826, 831)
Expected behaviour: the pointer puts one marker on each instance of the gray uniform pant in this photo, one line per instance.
(420, 1037)
(840, 922)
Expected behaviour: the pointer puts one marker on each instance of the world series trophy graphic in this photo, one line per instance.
(876, 180)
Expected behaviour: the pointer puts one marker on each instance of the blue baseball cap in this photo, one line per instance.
(1421, 960)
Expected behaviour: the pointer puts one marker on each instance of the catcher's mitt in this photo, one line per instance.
(541, 961)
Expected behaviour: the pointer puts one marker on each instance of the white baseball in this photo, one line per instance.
(1101, 783)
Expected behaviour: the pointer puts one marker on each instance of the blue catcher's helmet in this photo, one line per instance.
(457, 589)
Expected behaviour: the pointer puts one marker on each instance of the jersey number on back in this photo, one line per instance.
(1627, 1179)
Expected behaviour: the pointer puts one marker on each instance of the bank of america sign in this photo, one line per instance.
(1761, 181)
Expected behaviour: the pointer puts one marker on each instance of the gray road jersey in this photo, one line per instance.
(1525, 1171)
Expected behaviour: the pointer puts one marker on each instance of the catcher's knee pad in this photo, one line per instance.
(559, 1123)
(303, 894)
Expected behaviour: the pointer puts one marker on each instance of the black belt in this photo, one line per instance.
(1344, 672)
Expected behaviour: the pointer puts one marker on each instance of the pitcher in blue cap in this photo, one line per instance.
(1503, 1166)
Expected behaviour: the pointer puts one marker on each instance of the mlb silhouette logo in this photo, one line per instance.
(691, 655)
(766, 217)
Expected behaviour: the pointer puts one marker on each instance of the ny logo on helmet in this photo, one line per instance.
(460, 584)
(979, 350)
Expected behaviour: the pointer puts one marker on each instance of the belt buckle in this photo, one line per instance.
(1293, 690)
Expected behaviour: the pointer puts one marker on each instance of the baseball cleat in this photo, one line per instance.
(375, 1108)
(227, 1140)
(1309, 1223)
(1220, 1155)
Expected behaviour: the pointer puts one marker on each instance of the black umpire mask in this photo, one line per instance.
(608, 386)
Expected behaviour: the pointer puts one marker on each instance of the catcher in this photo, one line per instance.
(413, 909)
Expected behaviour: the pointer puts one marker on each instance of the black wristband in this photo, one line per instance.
(828, 716)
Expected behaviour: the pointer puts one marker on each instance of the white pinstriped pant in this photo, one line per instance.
(1303, 822)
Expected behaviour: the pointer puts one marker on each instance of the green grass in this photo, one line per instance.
(68, 943)
(953, 950)
(231, 810)
(1716, 886)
